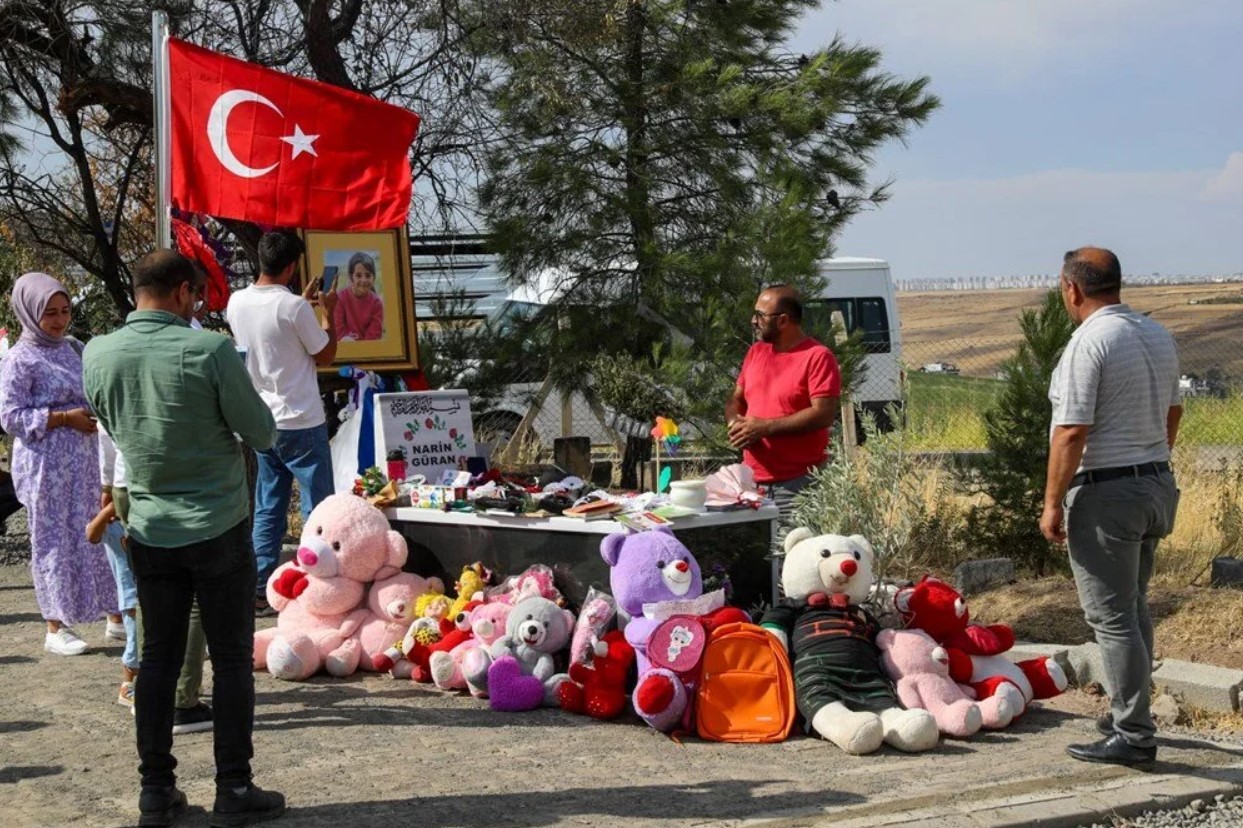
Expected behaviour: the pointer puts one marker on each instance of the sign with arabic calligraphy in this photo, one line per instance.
(431, 429)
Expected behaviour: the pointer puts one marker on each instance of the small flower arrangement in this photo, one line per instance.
(371, 482)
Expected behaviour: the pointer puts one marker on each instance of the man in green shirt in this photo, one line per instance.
(172, 398)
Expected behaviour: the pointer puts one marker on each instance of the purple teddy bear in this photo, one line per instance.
(647, 568)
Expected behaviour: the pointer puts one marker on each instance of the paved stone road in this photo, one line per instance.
(370, 750)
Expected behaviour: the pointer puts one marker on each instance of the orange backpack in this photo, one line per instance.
(746, 687)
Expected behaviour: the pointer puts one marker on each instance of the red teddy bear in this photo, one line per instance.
(975, 650)
(599, 689)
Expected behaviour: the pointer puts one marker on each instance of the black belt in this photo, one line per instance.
(1117, 473)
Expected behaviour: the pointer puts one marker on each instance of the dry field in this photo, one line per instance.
(1198, 624)
(978, 329)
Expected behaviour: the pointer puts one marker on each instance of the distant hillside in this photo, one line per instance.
(977, 330)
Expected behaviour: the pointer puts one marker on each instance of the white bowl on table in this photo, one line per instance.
(690, 494)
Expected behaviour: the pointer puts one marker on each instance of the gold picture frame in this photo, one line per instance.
(375, 309)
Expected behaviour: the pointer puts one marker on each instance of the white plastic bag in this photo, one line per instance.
(344, 445)
(344, 448)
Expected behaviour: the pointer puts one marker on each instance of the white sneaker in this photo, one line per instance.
(115, 631)
(64, 642)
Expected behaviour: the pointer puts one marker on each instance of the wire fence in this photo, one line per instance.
(943, 389)
(950, 384)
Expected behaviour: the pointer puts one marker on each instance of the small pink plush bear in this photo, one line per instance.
(920, 670)
(487, 624)
(345, 545)
(391, 605)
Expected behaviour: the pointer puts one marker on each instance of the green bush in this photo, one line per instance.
(1012, 475)
(902, 507)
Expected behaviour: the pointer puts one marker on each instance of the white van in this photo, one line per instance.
(862, 290)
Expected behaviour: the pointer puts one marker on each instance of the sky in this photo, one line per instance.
(1063, 123)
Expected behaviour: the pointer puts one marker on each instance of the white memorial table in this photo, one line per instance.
(457, 539)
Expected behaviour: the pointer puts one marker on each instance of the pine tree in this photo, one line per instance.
(670, 157)
(1017, 428)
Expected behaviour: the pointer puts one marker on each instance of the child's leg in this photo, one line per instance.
(190, 684)
(127, 591)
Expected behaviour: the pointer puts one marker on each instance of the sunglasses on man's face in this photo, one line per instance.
(761, 315)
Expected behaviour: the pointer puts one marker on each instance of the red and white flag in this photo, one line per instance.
(256, 145)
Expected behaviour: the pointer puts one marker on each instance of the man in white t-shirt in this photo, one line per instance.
(285, 342)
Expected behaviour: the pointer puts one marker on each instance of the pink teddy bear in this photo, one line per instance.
(487, 625)
(391, 604)
(920, 669)
(345, 545)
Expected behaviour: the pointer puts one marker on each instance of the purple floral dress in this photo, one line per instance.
(56, 474)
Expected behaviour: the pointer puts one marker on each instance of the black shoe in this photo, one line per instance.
(1113, 751)
(252, 805)
(1105, 725)
(192, 719)
(160, 806)
(264, 610)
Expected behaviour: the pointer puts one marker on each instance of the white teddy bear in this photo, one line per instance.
(841, 689)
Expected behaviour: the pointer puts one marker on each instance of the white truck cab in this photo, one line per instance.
(862, 290)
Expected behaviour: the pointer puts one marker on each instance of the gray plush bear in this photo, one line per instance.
(520, 671)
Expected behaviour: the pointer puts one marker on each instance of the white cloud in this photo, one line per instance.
(1006, 38)
(1156, 221)
(1227, 185)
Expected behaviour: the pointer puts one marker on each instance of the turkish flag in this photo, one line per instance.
(256, 145)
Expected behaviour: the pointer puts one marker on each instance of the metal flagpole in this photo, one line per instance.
(163, 128)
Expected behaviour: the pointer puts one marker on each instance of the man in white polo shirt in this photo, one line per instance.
(284, 343)
(1110, 494)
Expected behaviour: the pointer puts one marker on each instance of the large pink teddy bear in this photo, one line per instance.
(345, 545)
(391, 603)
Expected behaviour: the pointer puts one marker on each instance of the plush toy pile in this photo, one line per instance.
(679, 657)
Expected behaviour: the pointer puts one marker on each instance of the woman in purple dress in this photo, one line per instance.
(56, 465)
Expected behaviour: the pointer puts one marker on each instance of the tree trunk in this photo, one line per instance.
(638, 195)
(322, 40)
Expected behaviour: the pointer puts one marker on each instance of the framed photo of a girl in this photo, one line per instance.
(370, 273)
(360, 310)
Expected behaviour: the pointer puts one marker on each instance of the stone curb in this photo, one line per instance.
(1201, 685)
(1125, 797)
(1216, 689)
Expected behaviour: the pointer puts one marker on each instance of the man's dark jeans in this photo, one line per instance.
(220, 573)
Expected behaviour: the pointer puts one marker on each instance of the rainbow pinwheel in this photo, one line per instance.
(665, 434)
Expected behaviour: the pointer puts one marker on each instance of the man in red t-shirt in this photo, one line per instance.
(785, 400)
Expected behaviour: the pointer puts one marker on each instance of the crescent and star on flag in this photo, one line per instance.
(217, 133)
(288, 175)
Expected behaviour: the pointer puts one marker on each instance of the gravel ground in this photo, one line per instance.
(1221, 813)
(15, 541)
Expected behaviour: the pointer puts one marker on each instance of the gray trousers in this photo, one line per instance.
(782, 492)
(1112, 529)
